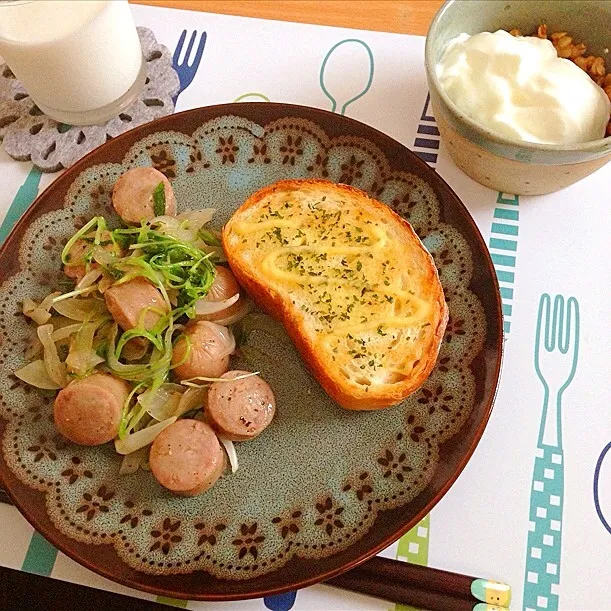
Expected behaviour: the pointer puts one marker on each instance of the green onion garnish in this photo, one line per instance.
(207, 237)
(159, 199)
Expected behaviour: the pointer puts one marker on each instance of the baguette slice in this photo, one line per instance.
(356, 290)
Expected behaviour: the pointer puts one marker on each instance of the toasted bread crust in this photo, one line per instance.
(280, 306)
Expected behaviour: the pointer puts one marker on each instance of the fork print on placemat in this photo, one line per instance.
(187, 68)
(555, 359)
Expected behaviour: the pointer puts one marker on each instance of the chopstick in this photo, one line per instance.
(410, 584)
(422, 587)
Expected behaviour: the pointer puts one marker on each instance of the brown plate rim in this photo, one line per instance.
(20, 493)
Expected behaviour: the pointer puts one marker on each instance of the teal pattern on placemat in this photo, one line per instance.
(555, 359)
(357, 94)
(40, 557)
(21, 202)
(503, 245)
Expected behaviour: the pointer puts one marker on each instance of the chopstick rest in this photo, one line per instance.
(491, 592)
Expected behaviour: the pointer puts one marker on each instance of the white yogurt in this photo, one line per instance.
(71, 55)
(518, 87)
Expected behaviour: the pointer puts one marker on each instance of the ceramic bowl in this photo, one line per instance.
(505, 164)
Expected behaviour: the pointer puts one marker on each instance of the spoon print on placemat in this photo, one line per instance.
(351, 56)
(555, 358)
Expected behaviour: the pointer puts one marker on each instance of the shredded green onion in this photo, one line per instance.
(207, 237)
(96, 221)
(170, 264)
(159, 199)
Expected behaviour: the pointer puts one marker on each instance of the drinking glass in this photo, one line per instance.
(80, 60)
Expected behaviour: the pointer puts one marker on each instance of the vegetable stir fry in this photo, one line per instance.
(144, 334)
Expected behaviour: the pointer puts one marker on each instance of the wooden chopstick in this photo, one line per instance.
(422, 587)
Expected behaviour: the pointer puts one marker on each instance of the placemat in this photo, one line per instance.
(532, 508)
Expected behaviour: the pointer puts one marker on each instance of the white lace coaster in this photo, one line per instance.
(28, 134)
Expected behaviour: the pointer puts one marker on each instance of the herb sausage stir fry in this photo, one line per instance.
(143, 341)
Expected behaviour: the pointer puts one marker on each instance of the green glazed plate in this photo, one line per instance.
(323, 488)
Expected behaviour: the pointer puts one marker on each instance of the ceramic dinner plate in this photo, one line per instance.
(323, 488)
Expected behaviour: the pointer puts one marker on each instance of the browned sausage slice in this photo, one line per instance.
(132, 195)
(240, 409)
(126, 303)
(187, 457)
(88, 411)
(208, 353)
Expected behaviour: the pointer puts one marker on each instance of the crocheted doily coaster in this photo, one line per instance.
(28, 134)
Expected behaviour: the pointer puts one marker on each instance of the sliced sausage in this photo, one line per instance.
(132, 301)
(187, 457)
(224, 287)
(75, 267)
(240, 409)
(204, 352)
(132, 195)
(88, 411)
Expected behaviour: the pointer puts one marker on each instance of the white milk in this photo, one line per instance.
(73, 57)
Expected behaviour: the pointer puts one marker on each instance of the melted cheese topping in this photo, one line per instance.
(355, 285)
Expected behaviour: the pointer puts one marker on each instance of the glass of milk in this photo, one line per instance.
(80, 60)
